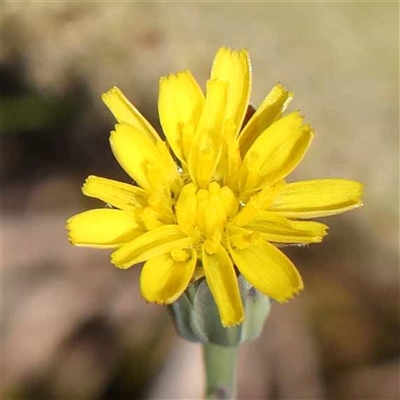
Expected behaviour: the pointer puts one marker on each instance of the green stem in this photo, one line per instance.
(220, 366)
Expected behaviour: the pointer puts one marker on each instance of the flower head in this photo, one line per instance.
(211, 200)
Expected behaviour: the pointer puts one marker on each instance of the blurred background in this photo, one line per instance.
(75, 327)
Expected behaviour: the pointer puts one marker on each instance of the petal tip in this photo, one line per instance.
(110, 92)
(69, 222)
(86, 183)
(166, 78)
(231, 325)
(119, 265)
(290, 296)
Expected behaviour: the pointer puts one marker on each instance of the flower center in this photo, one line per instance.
(204, 213)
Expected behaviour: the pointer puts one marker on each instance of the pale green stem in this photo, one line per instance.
(220, 368)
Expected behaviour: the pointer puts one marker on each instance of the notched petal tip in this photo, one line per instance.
(176, 75)
(291, 296)
(68, 227)
(305, 127)
(117, 103)
(359, 192)
(110, 92)
(281, 90)
(296, 115)
(296, 120)
(120, 266)
(166, 78)
(105, 95)
(232, 323)
(226, 51)
(324, 231)
(87, 182)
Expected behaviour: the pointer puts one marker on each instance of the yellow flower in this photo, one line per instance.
(212, 199)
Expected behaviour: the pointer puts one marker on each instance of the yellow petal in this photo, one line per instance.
(279, 229)
(169, 168)
(268, 270)
(270, 109)
(186, 209)
(206, 147)
(234, 68)
(118, 194)
(230, 162)
(139, 157)
(275, 153)
(256, 202)
(103, 228)
(125, 112)
(180, 103)
(151, 244)
(163, 279)
(318, 198)
(223, 284)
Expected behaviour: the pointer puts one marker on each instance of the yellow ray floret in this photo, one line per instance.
(318, 198)
(173, 275)
(233, 67)
(275, 153)
(269, 111)
(104, 228)
(180, 104)
(125, 112)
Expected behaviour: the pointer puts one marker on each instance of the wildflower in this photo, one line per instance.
(211, 200)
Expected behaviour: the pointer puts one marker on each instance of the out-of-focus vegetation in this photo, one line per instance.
(74, 327)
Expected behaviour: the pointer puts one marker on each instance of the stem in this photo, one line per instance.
(220, 366)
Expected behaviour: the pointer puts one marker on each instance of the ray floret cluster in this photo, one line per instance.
(211, 199)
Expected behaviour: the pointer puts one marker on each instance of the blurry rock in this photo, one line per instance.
(182, 376)
(343, 323)
(54, 193)
(12, 152)
(68, 315)
(83, 44)
(378, 382)
(34, 334)
(87, 360)
(292, 352)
